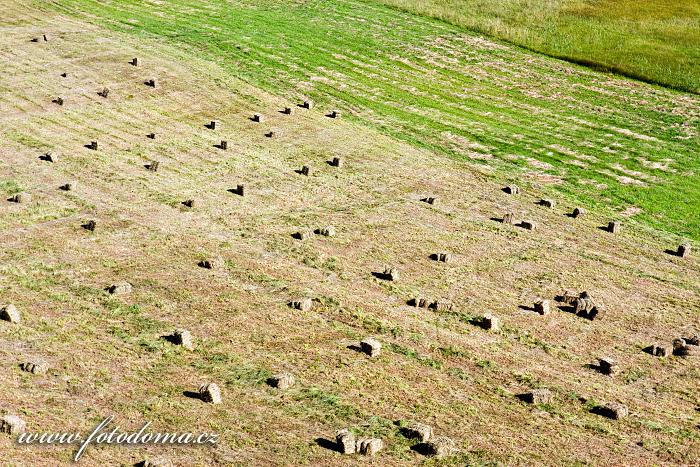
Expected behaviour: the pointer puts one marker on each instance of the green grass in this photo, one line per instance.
(654, 40)
(441, 88)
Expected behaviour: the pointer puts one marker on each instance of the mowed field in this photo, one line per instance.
(606, 142)
(107, 354)
(654, 40)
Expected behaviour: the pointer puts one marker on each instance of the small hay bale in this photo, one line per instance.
(158, 461)
(303, 234)
(288, 111)
(608, 366)
(512, 189)
(369, 446)
(10, 313)
(391, 274)
(92, 145)
(212, 125)
(305, 170)
(190, 203)
(568, 297)
(539, 396)
(223, 145)
(508, 218)
(182, 337)
(21, 198)
(442, 257)
(683, 250)
(134, 61)
(614, 227)
(681, 348)
(429, 200)
(271, 134)
(303, 304)
(542, 307)
(104, 92)
(121, 288)
(345, 441)
(371, 346)
(308, 104)
(213, 263)
(258, 118)
(441, 305)
(657, 350)
(70, 186)
(419, 302)
(153, 166)
(151, 136)
(328, 231)
(64, 75)
(418, 431)
(49, 157)
(337, 162)
(528, 225)
(58, 100)
(578, 212)
(90, 226)
(12, 425)
(490, 322)
(150, 83)
(210, 393)
(440, 446)
(281, 381)
(334, 114)
(37, 367)
(239, 190)
(548, 203)
(613, 410)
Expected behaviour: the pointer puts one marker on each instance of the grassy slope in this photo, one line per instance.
(613, 143)
(653, 40)
(106, 353)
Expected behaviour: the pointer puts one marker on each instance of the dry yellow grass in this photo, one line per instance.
(107, 354)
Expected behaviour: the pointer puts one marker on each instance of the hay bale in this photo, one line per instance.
(371, 346)
(334, 114)
(281, 381)
(213, 263)
(683, 250)
(512, 189)
(568, 297)
(104, 92)
(369, 446)
(212, 125)
(548, 203)
(613, 410)
(182, 337)
(92, 145)
(258, 118)
(303, 234)
(614, 227)
(391, 274)
(337, 162)
(150, 83)
(120, 288)
(345, 441)
(10, 313)
(288, 111)
(158, 461)
(419, 302)
(90, 226)
(239, 190)
(539, 396)
(608, 366)
(210, 393)
(681, 348)
(578, 212)
(153, 166)
(308, 105)
(490, 322)
(441, 305)
(37, 367)
(528, 225)
(223, 145)
(657, 350)
(49, 157)
(542, 307)
(418, 431)
(305, 170)
(508, 218)
(429, 200)
(70, 186)
(442, 257)
(58, 100)
(303, 304)
(64, 75)
(12, 425)
(151, 136)
(271, 134)
(328, 231)
(134, 61)
(440, 446)
(190, 203)
(21, 198)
